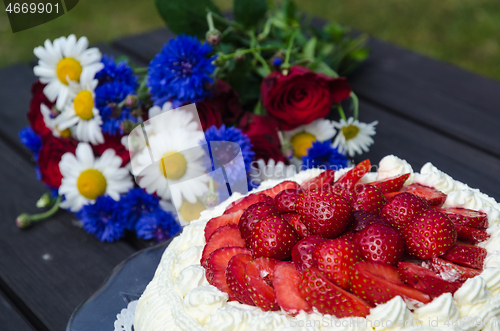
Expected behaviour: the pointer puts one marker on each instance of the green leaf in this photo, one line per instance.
(289, 9)
(310, 48)
(324, 68)
(186, 16)
(249, 12)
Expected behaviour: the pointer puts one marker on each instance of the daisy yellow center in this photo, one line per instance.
(84, 105)
(91, 184)
(350, 131)
(66, 133)
(191, 211)
(68, 67)
(174, 165)
(301, 142)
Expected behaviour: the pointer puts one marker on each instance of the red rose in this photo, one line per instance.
(114, 142)
(49, 156)
(302, 96)
(209, 114)
(35, 117)
(263, 134)
(222, 107)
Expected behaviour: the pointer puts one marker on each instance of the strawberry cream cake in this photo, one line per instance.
(348, 250)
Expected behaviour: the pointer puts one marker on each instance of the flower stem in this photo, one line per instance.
(253, 44)
(226, 21)
(24, 220)
(341, 112)
(355, 105)
(141, 71)
(210, 21)
(286, 64)
(246, 51)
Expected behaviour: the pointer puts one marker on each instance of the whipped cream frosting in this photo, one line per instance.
(180, 298)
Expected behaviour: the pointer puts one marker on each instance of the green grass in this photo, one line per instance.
(463, 32)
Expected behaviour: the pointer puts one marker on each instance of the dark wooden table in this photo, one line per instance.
(427, 111)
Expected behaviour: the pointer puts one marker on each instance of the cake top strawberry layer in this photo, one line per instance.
(382, 246)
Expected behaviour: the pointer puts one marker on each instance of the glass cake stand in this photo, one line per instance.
(126, 283)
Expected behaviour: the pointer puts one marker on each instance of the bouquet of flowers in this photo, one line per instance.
(264, 82)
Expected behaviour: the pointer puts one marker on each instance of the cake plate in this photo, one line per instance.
(126, 283)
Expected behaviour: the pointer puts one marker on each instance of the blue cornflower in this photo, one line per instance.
(234, 135)
(107, 98)
(159, 225)
(223, 154)
(116, 72)
(181, 71)
(136, 203)
(31, 140)
(103, 220)
(322, 154)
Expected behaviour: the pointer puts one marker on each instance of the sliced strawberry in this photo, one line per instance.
(466, 217)
(471, 235)
(258, 282)
(430, 234)
(362, 218)
(380, 243)
(389, 196)
(324, 213)
(273, 237)
(224, 219)
(401, 208)
(302, 252)
(217, 264)
(245, 202)
(328, 298)
(466, 255)
(225, 236)
(287, 184)
(285, 200)
(286, 289)
(451, 271)
(294, 220)
(430, 194)
(369, 198)
(392, 184)
(426, 280)
(379, 282)
(252, 215)
(235, 277)
(336, 259)
(324, 179)
(350, 178)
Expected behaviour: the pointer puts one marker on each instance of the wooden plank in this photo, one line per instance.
(55, 265)
(144, 46)
(15, 95)
(418, 145)
(10, 318)
(435, 94)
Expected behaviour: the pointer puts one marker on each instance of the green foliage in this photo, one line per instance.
(186, 16)
(249, 12)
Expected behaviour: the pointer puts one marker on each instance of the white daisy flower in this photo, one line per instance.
(85, 178)
(64, 60)
(354, 136)
(261, 171)
(81, 115)
(50, 123)
(168, 119)
(302, 137)
(164, 120)
(184, 165)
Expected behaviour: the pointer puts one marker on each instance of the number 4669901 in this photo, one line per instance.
(32, 8)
